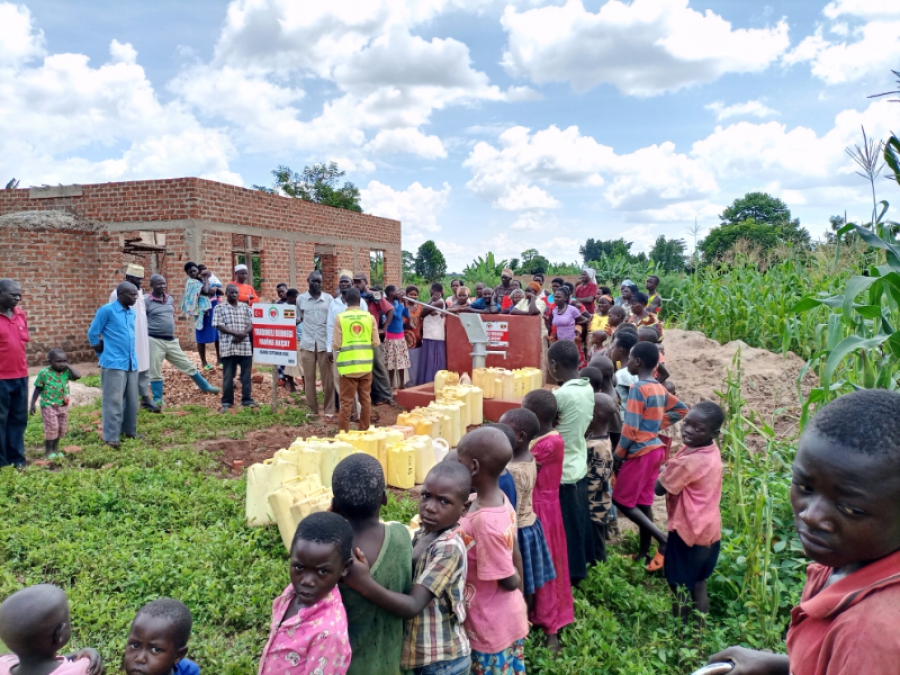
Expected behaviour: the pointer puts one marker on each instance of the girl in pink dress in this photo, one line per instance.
(553, 606)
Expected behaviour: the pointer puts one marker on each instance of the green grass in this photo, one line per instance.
(165, 520)
(90, 381)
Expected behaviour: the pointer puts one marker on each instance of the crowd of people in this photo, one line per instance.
(487, 564)
(515, 517)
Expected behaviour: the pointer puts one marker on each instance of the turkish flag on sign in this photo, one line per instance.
(257, 312)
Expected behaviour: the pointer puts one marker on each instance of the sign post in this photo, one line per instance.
(275, 339)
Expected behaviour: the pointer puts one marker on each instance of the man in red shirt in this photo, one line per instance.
(845, 492)
(13, 375)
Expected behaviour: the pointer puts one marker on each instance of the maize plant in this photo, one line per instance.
(861, 335)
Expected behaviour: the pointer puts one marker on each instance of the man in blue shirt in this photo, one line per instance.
(112, 336)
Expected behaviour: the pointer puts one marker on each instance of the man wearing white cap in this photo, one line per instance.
(134, 274)
(246, 293)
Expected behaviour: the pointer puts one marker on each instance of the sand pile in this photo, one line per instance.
(699, 367)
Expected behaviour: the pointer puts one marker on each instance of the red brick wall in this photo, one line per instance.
(67, 273)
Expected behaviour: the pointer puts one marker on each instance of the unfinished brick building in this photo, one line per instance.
(68, 246)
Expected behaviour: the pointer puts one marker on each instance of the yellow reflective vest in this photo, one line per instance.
(356, 355)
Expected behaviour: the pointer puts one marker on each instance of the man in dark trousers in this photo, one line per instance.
(234, 319)
(13, 375)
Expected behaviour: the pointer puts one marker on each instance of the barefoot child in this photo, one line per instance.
(537, 565)
(34, 626)
(553, 605)
(434, 641)
(157, 641)
(640, 453)
(845, 494)
(576, 410)
(496, 615)
(308, 635)
(692, 484)
(600, 460)
(608, 387)
(52, 386)
(376, 635)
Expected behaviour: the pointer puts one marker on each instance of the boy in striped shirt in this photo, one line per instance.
(650, 408)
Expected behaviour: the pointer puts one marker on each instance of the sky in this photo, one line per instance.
(485, 125)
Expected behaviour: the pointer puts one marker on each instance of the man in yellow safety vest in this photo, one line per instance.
(355, 338)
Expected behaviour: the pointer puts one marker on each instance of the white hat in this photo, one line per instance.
(239, 268)
(134, 271)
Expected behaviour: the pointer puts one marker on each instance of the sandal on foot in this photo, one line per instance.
(657, 563)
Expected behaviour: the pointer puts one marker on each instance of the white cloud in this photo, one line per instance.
(57, 108)
(876, 49)
(862, 8)
(650, 177)
(644, 48)
(19, 40)
(407, 140)
(387, 81)
(746, 109)
(416, 207)
(797, 158)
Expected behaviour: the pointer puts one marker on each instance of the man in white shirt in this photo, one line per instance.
(312, 312)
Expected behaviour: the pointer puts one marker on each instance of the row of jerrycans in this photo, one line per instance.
(297, 481)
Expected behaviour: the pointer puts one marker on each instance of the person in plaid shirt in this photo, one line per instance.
(235, 323)
(434, 640)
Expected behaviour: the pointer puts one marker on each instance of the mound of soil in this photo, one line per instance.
(699, 367)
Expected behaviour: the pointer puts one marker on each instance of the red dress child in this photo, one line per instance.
(553, 606)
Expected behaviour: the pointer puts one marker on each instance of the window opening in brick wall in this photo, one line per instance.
(376, 268)
(255, 268)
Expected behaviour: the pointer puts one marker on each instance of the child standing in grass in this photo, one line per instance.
(308, 635)
(640, 452)
(845, 493)
(52, 386)
(600, 460)
(157, 641)
(692, 484)
(553, 605)
(537, 565)
(35, 625)
(496, 615)
(434, 640)
(575, 399)
(376, 635)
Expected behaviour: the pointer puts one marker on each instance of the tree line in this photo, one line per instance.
(757, 219)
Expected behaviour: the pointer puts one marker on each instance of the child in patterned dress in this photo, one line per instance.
(309, 633)
(52, 386)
